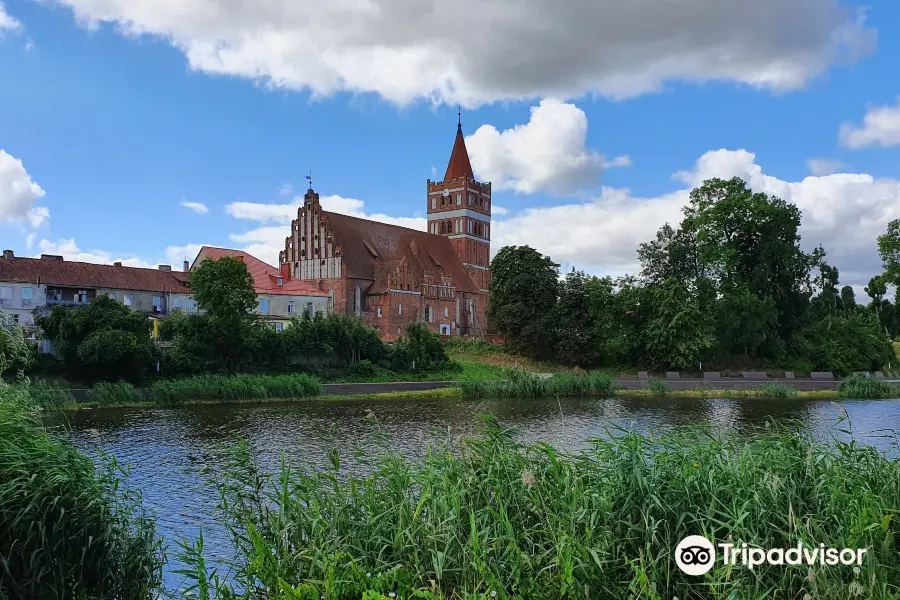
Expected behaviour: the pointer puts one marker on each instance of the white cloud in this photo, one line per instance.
(286, 190)
(69, 250)
(824, 166)
(881, 127)
(843, 212)
(18, 193)
(197, 207)
(178, 254)
(510, 49)
(6, 21)
(498, 210)
(546, 154)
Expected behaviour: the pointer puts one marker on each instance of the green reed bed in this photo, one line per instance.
(522, 384)
(111, 394)
(230, 388)
(859, 387)
(68, 529)
(503, 519)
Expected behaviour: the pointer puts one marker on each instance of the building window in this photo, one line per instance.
(400, 309)
(469, 228)
(427, 313)
(470, 199)
(398, 331)
(27, 293)
(128, 300)
(380, 312)
(443, 227)
(157, 303)
(264, 306)
(178, 302)
(446, 312)
(5, 293)
(331, 301)
(191, 305)
(357, 301)
(459, 199)
(111, 295)
(434, 203)
(309, 308)
(280, 281)
(15, 318)
(291, 307)
(279, 326)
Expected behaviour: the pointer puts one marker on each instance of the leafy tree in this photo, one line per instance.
(420, 350)
(848, 298)
(575, 331)
(104, 340)
(524, 290)
(677, 333)
(889, 251)
(223, 290)
(876, 290)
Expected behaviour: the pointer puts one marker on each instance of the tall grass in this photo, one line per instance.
(46, 395)
(67, 527)
(231, 388)
(859, 387)
(109, 394)
(522, 384)
(510, 520)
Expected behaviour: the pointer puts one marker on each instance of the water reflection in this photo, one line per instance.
(167, 449)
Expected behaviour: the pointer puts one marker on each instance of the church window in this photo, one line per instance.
(449, 226)
(398, 331)
(380, 312)
(399, 309)
(357, 308)
(487, 230)
(302, 251)
(459, 199)
(443, 200)
(443, 228)
(458, 225)
(469, 229)
(330, 300)
(434, 203)
(427, 313)
(446, 312)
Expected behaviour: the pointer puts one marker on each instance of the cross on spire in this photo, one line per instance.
(459, 115)
(309, 178)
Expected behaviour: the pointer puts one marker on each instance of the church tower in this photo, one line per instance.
(459, 207)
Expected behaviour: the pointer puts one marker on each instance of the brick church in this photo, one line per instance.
(391, 276)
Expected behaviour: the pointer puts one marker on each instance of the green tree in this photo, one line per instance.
(524, 291)
(848, 299)
(678, 332)
(223, 290)
(104, 340)
(889, 251)
(876, 290)
(421, 350)
(575, 332)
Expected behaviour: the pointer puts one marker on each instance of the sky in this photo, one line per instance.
(139, 130)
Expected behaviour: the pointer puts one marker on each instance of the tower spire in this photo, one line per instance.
(459, 165)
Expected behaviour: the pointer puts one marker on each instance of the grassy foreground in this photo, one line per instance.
(494, 518)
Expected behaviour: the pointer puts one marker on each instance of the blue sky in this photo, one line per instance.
(122, 110)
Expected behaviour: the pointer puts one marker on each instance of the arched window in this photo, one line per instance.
(443, 228)
(449, 226)
(357, 305)
(427, 313)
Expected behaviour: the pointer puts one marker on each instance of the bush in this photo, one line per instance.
(507, 519)
(655, 386)
(67, 527)
(777, 390)
(420, 350)
(364, 368)
(106, 394)
(225, 388)
(859, 387)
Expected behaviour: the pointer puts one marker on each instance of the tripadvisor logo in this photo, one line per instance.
(696, 555)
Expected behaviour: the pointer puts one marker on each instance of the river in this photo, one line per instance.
(167, 448)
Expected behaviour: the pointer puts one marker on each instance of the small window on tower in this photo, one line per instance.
(459, 199)
(434, 203)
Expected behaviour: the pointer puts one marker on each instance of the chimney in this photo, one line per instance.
(187, 266)
(165, 268)
(117, 264)
(286, 271)
(8, 254)
(55, 257)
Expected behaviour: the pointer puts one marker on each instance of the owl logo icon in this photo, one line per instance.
(695, 555)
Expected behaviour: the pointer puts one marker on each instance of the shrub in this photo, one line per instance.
(420, 350)
(122, 392)
(225, 388)
(46, 395)
(655, 386)
(777, 390)
(68, 529)
(522, 384)
(364, 368)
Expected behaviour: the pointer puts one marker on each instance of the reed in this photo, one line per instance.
(522, 384)
(68, 528)
(502, 519)
(859, 387)
(230, 388)
(111, 394)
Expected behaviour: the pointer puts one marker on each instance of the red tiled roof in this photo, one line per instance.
(89, 275)
(459, 164)
(265, 276)
(393, 244)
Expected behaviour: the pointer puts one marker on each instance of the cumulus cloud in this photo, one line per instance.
(824, 166)
(197, 207)
(18, 193)
(509, 49)
(267, 241)
(881, 127)
(69, 250)
(843, 212)
(546, 154)
(7, 23)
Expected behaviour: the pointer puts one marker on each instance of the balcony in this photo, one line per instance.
(57, 302)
